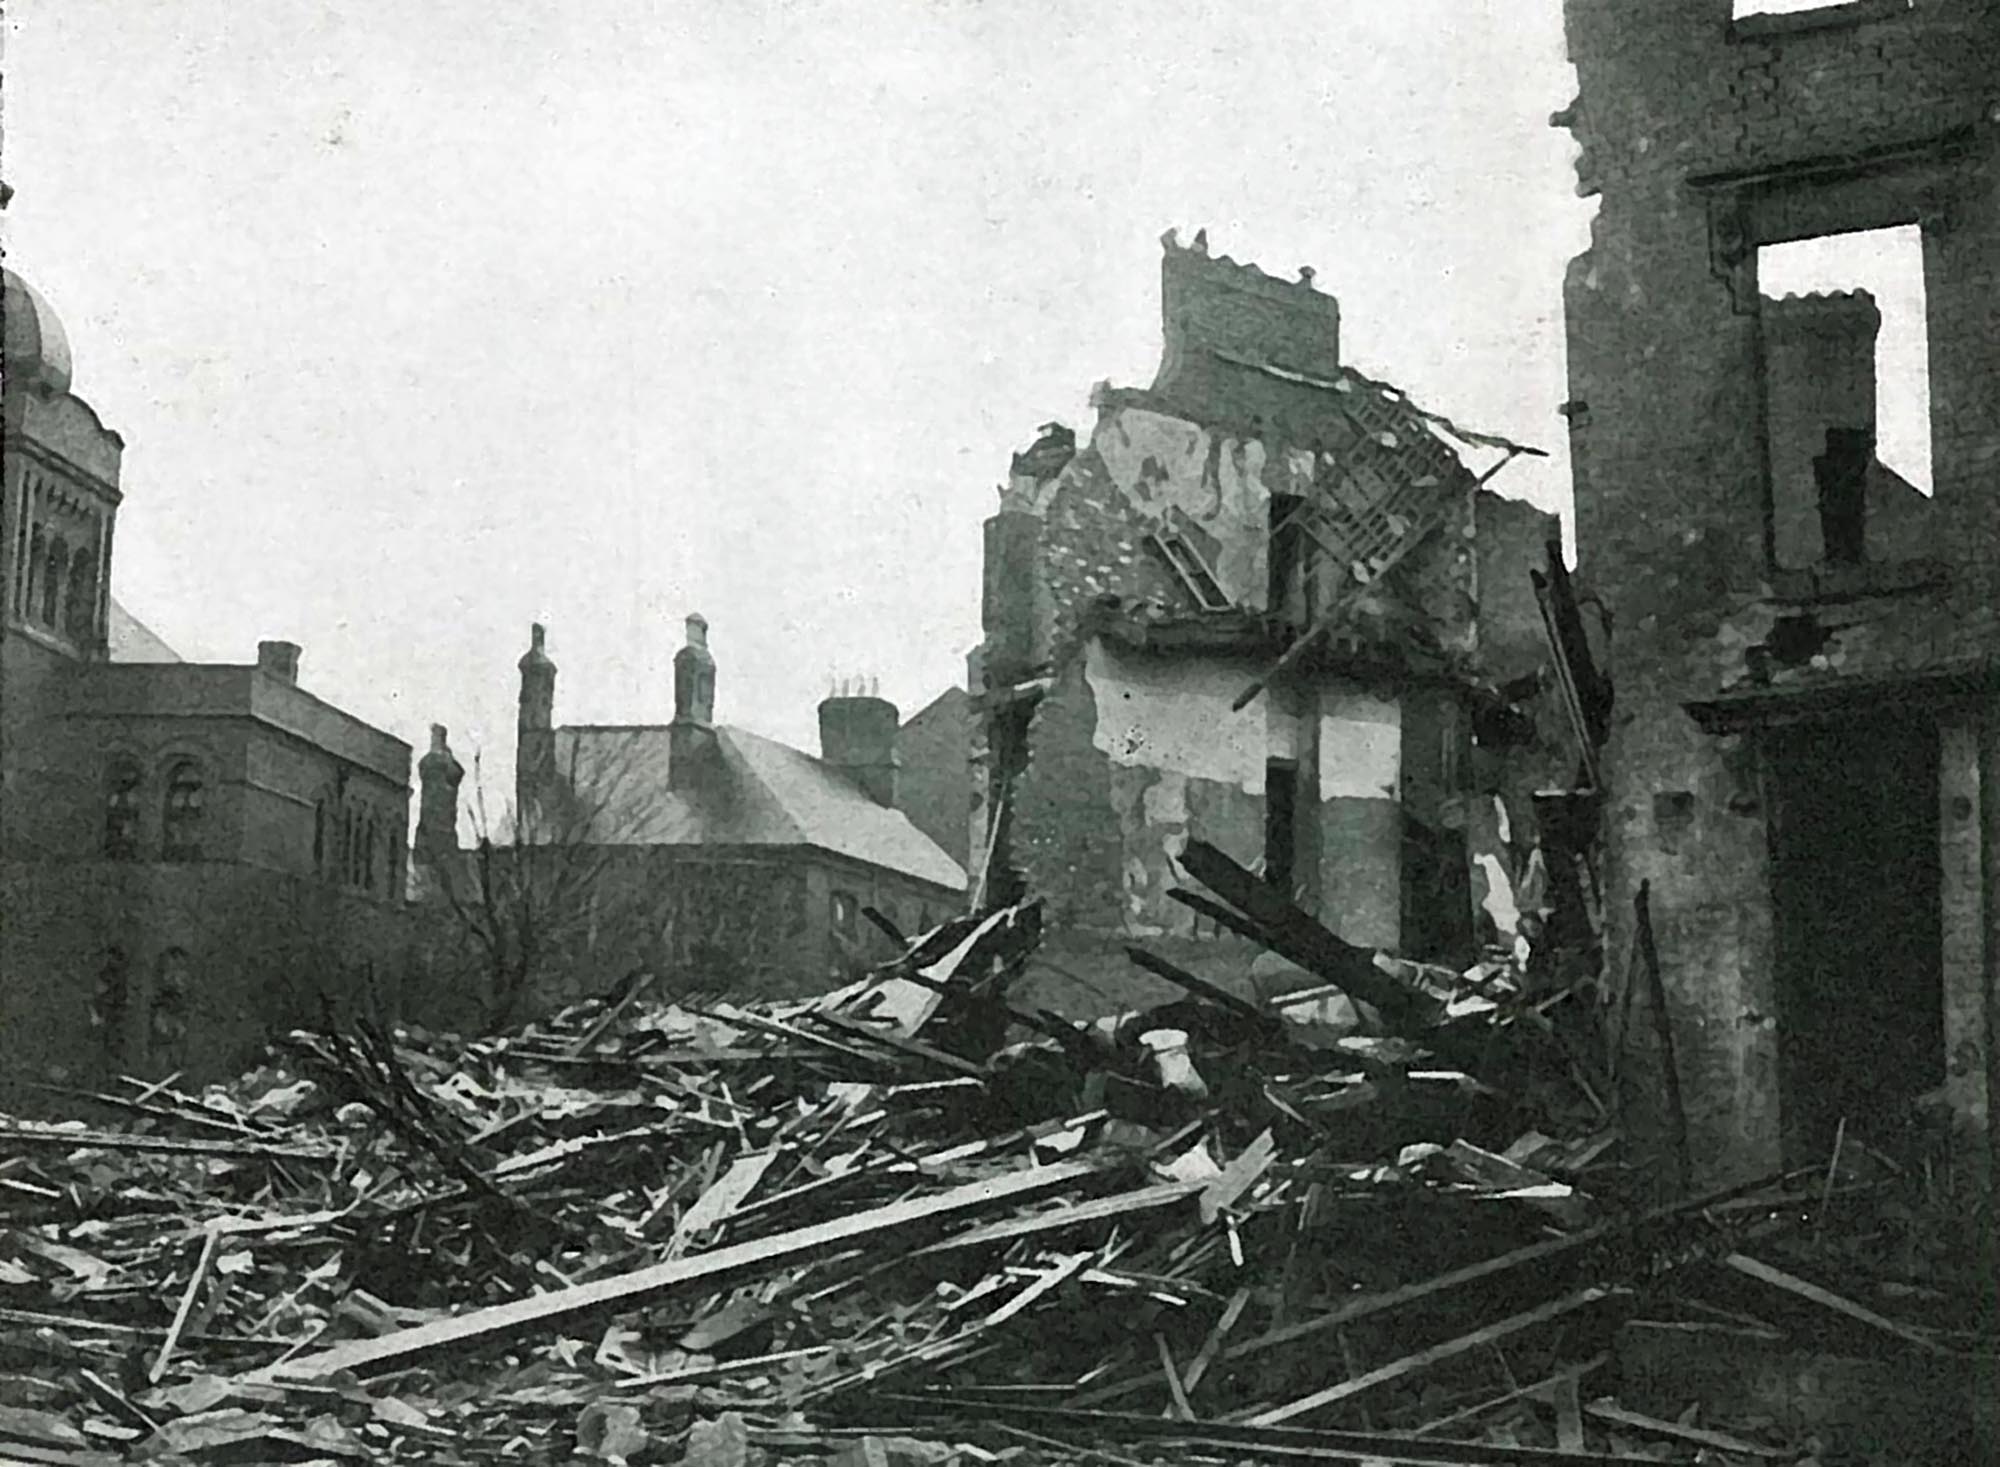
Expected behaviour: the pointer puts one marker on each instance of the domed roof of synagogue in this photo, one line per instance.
(36, 350)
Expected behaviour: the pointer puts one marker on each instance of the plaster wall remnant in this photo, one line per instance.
(1360, 745)
(1175, 717)
(1705, 138)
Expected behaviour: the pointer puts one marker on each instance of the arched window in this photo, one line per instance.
(32, 572)
(121, 810)
(367, 853)
(319, 835)
(53, 567)
(167, 1023)
(180, 827)
(108, 1003)
(80, 605)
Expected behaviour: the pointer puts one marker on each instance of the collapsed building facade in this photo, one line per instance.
(1267, 605)
(1802, 767)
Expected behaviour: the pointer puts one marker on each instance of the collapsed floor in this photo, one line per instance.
(1381, 1217)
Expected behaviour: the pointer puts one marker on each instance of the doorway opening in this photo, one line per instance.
(1857, 905)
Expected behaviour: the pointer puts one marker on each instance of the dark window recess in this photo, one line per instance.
(121, 812)
(180, 834)
(1281, 816)
(319, 836)
(1437, 895)
(52, 580)
(1841, 474)
(167, 1030)
(108, 1002)
(846, 914)
(1285, 559)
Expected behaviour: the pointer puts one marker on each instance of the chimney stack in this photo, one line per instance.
(857, 735)
(279, 660)
(691, 735)
(438, 775)
(538, 682)
(534, 741)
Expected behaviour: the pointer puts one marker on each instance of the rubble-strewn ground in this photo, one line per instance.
(1377, 1219)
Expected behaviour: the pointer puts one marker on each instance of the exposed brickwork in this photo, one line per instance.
(1705, 141)
(1067, 839)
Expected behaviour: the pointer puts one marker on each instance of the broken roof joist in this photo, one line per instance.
(503, 1322)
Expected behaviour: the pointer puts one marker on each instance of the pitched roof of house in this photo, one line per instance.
(764, 794)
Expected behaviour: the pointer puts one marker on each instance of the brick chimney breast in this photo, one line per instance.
(691, 736)
(279, 660)
(857, 735)
(438, 774)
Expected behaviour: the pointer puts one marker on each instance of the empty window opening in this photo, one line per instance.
(1857, 903)
(1847, 375)
(1281, 823)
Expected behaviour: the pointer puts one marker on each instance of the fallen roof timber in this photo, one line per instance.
(1245, 1442)
(644, 1286)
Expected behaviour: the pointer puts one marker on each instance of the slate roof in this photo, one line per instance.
(764, 793)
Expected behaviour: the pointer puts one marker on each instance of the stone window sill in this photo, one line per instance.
(1853, 582)
(1827, 17)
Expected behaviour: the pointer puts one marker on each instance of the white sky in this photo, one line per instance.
(424, 321)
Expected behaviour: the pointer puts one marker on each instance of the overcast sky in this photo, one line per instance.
(424, 321)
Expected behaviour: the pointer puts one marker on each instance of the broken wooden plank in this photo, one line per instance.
(1122, 1204)
(26, 1133)
(1198, 986)
(1172, 1372)
(1198, 1368)
(719, 1202)
(1485, 1335)
(1721, 1441)
(641, 1287)
(1570, 1374)
(1296, 934)
(203, 1265)
(1240, 1442)
(1238, 1177)
(916, 1048)
(1777, 1278)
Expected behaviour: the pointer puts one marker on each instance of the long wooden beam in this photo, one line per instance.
(548, 1312)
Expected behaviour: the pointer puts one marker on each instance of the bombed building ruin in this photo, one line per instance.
(1268, 604)
(1802, 774)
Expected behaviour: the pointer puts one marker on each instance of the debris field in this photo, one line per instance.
(1384, 1217)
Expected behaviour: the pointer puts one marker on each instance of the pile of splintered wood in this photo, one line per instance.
(906, 1222)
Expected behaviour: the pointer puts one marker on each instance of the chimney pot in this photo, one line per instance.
(279, 659)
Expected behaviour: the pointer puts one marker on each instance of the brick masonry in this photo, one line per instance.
(1705, 139)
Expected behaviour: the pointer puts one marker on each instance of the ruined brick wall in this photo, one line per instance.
(1706, 139)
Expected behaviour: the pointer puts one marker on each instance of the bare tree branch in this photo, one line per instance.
(530, 896)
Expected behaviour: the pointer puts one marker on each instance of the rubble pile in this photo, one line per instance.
(1382, 1217)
